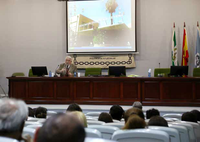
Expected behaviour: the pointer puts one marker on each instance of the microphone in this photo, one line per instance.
(55, 75)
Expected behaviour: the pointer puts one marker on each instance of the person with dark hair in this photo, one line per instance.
(131, 111)
(61, 128)
(31, 112)
(74, 107)
(134, 122)
(116, 112)
(152, 112)
(41, 112)
(189, 116)
(137, 104)
(197, 114)
(105, 117)
(157, 121)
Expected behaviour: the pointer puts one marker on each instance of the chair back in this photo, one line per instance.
(118, 125)
(173, 115)
(93, 114)
(93, 133)
(18, 74)
(97, 140)
(140, 135)
(34, 126)
(183, 132)
(29, 131)
(173, 133)
(5, 139)
(92, 71)
(190, 130)
(92, 122)
(164, 71)
(106, 131)
(196, 72)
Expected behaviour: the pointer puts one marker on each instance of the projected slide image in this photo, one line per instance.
(101, 26)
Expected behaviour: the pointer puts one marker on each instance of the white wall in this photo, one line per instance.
(33, 32)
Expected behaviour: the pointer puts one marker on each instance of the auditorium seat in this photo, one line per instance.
(28, 131)
(94, 133)
(34, 126)
(92, 71)
(118, 125)
(173, 115)
(183, 132)
(5, 139)
(30, 73)
(173, 133)
(190, 130)
(93, 114)
(140, 135)
(31, 123)
(106, 131)
(164, 71)
(196, 128)
(92, 122)
(97, 140)
(196, 72)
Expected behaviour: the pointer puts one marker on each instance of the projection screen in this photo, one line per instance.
(101, 26)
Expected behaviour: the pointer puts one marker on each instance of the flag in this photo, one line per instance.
(197, 51)
(185, 53)
(174, 49)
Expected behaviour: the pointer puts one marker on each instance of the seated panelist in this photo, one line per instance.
(67, 68)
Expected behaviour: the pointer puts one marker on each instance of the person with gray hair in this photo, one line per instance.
(137, 105)
(13, 114)
(67, 68)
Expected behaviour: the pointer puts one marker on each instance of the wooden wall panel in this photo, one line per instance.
(177, 90)
(19, 89)
(106, 89)
(130, 90)
(41, 89)
(151, 90)
(82, 89)
(197, 90)
(63, 90)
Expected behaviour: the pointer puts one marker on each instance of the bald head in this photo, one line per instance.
(61, 128)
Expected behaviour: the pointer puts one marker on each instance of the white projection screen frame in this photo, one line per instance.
(101, 26)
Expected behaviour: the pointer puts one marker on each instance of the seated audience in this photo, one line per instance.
(137, 104)
(134, 122)
(105, 117)
(13, 114)
(189, 116)
(131, 111)
(152, 112)
(41, 112)
(74, 107)
(31, 112)
(197, 114)
(61, 128)
(81, 117)
(116, 112)
(157, 121)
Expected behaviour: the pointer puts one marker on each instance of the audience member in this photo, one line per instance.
(116, 112)
(134, 122)
(41, 112)
(13, 114)
(197, 114)
(137, 104)
(74, 107)
(189, 116)
(61, 128)
(152, 112)
(157, 121)
(31, 112)
(105, 117)
(131, 111)
(81, 117)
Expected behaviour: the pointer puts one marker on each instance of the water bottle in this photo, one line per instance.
(149, 73)
(50, 74)
(74, 74)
